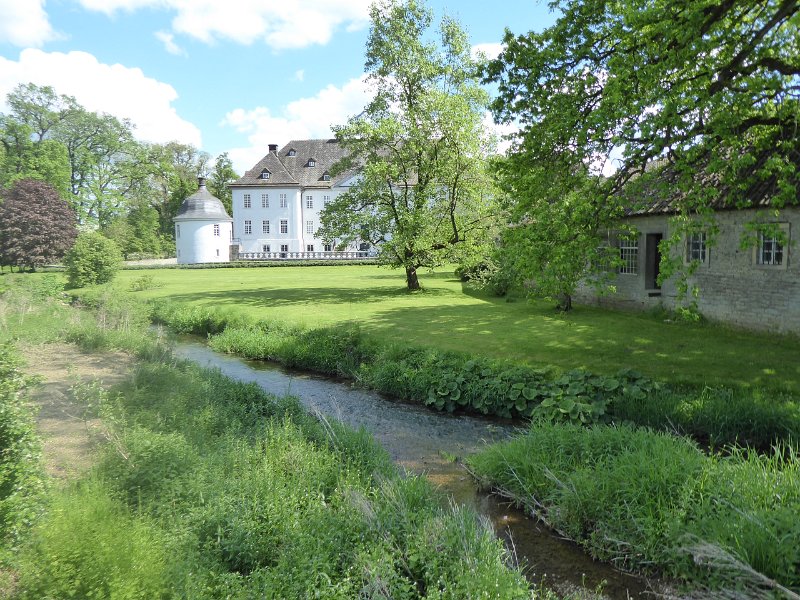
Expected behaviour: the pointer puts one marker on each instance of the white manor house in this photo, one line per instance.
(277, 203)
(276, 209)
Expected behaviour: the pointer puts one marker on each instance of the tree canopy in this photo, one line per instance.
(421, 192)
(37, 226)
(706, 90)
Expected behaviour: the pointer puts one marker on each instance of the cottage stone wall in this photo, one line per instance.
(733, 288)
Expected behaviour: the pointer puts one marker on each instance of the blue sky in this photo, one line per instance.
(225, 75)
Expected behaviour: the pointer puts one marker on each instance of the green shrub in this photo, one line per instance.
(93, 259)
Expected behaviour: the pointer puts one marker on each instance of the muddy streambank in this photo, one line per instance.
(426, 442)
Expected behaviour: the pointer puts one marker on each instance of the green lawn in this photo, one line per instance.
(451, 315)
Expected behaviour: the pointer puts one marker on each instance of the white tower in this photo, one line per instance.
(203, 230)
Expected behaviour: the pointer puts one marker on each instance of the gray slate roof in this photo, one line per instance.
(294, 170)
(202, 205)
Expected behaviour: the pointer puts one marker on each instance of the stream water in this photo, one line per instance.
(426, 442)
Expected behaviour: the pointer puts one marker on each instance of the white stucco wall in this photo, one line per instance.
(195, 241)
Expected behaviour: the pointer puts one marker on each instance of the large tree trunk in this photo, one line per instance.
(565, 302)
(411, 278)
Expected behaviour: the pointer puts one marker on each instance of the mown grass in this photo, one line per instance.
(452, 316)
(655, 503)
(209, 488)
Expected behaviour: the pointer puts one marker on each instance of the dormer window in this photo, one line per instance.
(292, 152)
(265, 174)
(311, 163)
(326, 176)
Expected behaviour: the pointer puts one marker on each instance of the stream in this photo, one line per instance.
(423, 441)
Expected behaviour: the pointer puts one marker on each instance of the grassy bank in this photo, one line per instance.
(449, 315)
(222, 491)
(655, 503)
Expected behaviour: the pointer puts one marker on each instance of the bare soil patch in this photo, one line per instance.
(67, 437)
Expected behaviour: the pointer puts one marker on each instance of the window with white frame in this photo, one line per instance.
(264, 226)
(771, 249)
(309, 226)
(696, 247)
(247, 203)
(326, 177)
(264, 200)
(248, 228)
(292, 152)
(284, 203)
(325, 201)
(309, 247)
(284, 247)
(178, 230)
(311, 163)
(265, 248)
(265, 174)
(284, 226)
(216, 229)
(327, 247)
(309, 202)
(629, 255)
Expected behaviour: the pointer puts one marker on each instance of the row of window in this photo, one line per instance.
(265, 227)
(768, 251)
(248, 201)
(285, 247)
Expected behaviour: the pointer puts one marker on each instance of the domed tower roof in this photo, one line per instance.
(202, 205)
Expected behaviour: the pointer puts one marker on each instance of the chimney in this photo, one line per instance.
(201, 182)
(273, 148)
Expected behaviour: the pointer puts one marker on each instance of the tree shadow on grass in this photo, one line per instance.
(275, 297)
(596, 339)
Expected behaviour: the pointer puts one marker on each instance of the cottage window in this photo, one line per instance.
(309, 202)
(265, 174)
(248, 227)
(629, 255)
(264, 200)
(326, 177)
(292, 152)
(216, 229)
(696, 247)
(284, 203)
(264, 226)
(311, 163)
(770, 250)
(247, 202)
(284, 226)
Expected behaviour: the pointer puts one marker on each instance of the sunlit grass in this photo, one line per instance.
(450, 315)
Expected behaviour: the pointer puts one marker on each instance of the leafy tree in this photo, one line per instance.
(23, 158)
(221, 175)
(93, 259)
(706, 88)
(422, 194)
(137, 232)
(37, 226)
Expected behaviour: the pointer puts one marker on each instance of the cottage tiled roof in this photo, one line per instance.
(202, 205)
(658, 191)
(296, 170)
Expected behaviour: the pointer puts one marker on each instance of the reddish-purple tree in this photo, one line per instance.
(37, 226)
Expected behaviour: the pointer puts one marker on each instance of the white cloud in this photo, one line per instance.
(488, 50)
(115, 89)
(280, 24)
(25, 23)
(299, 75)
(305, 118)
(169, 43)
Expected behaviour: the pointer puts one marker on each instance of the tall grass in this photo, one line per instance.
(210, 488)
(649, 501)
